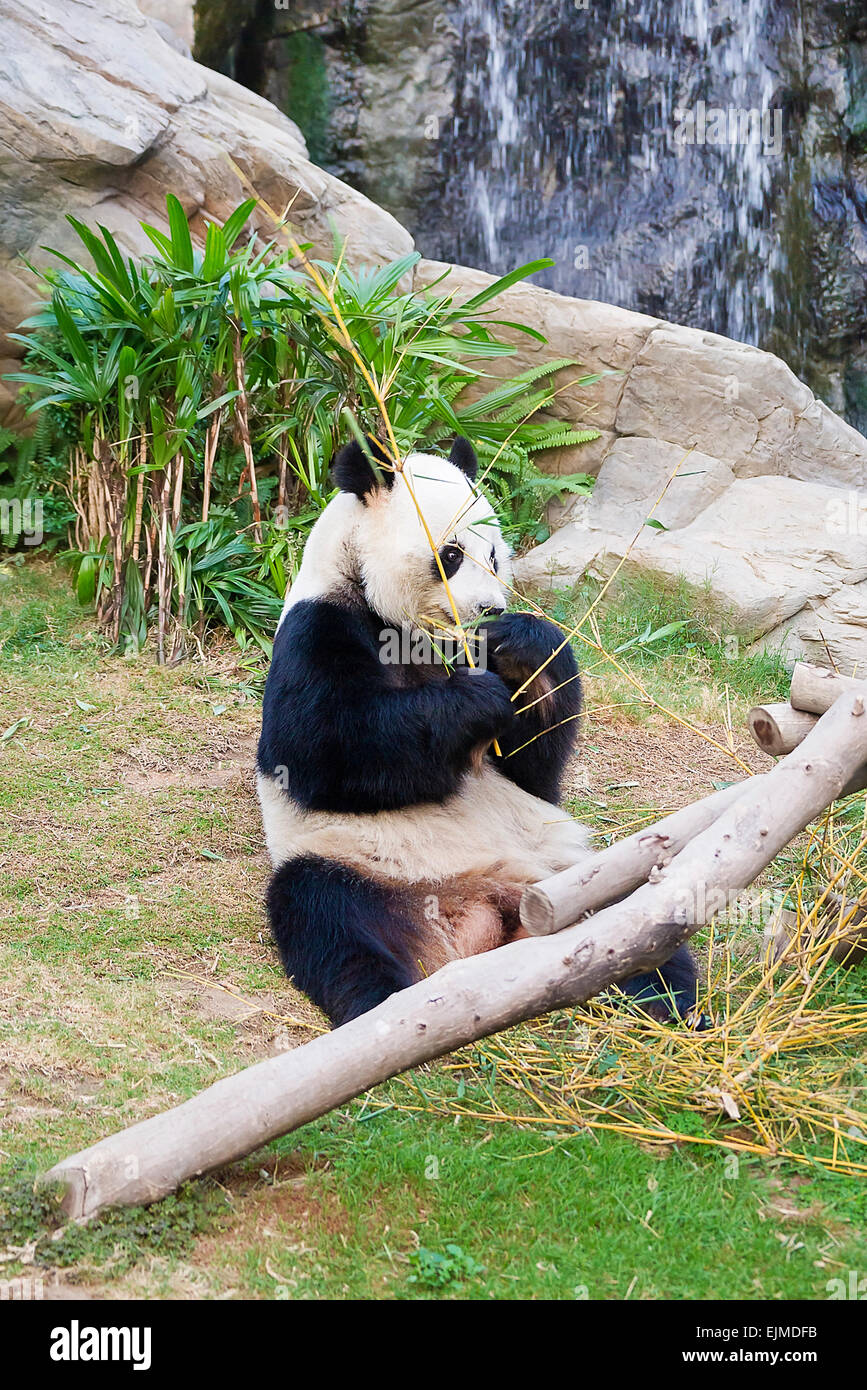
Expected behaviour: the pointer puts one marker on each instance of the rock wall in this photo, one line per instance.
(498, 131)
(101, 116)
(760, 489)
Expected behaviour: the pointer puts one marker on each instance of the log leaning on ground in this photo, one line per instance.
(470, 999)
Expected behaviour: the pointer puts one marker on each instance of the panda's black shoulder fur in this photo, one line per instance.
(345, 732)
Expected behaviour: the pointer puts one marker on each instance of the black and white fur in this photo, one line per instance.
(399, 839)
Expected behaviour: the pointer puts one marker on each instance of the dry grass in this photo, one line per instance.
(778, 1073)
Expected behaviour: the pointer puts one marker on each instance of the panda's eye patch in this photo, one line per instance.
(493, 560)
(451, 558)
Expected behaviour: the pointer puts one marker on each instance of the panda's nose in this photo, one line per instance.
(493, 612)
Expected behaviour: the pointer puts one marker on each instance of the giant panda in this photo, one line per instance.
(407, 803)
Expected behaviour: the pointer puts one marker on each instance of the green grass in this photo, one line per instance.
(674, 644)
(131, 887)
(390, 1205)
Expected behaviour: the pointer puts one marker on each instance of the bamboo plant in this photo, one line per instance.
(206, 389)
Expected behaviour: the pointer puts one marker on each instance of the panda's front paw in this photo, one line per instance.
(519, 645)
(487, 704)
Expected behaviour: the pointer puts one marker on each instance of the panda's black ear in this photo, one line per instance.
(463, 455)
(353, 471)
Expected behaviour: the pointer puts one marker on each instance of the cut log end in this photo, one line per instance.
(778, 729)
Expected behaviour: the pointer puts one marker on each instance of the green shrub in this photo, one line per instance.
(202, 395)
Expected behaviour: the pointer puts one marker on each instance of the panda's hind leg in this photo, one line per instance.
(346, 940)
(669, 992)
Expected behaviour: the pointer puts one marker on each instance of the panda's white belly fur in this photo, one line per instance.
(490, 827)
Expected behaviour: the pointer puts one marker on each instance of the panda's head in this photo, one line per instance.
(399, 518)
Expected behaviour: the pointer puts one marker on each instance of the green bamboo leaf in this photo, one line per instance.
(85, 583)
(234, 223)
(505, 282)
(216, 253)
(179, 227)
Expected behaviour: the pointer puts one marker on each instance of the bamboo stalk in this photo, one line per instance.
(178, 491)
(212, 439)
(163, 568)
(139, 498)
(243, 417)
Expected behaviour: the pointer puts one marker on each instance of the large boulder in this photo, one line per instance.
(101, 116)
(661, 381)
(775, 554)
(739, 403)
(641, 476)
(759, 491)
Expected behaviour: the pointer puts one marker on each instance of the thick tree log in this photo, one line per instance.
(842, 921)
(563, 898)
(815, 688)
(470, 999)
(778, 728)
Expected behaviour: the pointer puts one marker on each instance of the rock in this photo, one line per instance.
(172, 17)
(783, 563)
(739, 403)
(570, 553)
(637, 472)
(830, 632)
(734, 403)
(101, 117)
(766, 549)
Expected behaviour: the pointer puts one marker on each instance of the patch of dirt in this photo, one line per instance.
(266, 1024)
(666, 766)
(228, 761)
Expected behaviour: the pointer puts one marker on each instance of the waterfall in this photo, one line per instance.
(636, 141)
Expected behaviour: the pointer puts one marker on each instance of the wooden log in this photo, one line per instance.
(565, 897)
(840, 921)
(472, 998)
(815, 688)
(778, 728)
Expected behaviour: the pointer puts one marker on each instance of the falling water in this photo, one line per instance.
(593, 133)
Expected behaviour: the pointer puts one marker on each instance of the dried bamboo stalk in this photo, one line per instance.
(242, 415)
(212, 439)
(139, 498)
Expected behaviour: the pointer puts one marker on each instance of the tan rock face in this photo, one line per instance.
(768, 550)
(768, 513)
(643, 476)
(101, 116)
